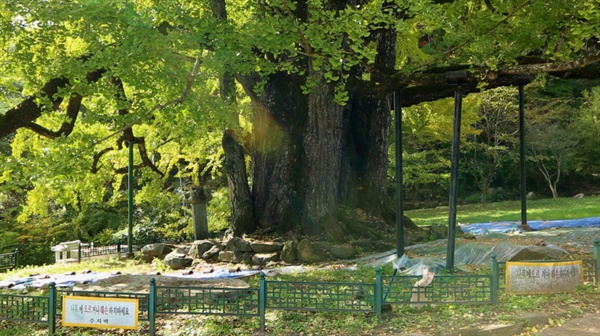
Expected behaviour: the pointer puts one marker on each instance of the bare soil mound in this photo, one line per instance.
(140, 283)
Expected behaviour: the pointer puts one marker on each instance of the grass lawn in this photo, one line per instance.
(544, 209)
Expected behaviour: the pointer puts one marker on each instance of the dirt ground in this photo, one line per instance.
(139, 283)
(588, 324)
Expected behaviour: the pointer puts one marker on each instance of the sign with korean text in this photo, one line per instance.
(543, 277)
(95, 312)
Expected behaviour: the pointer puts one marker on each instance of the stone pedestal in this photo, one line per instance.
(198, 199)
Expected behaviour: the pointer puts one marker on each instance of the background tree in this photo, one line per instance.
(497, 134)
(551, 149)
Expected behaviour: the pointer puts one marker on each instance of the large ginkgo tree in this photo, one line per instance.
(301, 88)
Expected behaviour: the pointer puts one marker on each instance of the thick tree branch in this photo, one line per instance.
(94, 169)
(67, 127)
(141, 142)
(550, 67)
(29, 110)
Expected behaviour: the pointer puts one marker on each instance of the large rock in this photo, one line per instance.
(182, 250)
(158, 250)
(266, 247)
(212, 253)
(231, 256)
(238, 244)
(343, 251)
(247, 257)
(264, 258)
(198, 248)
(289, 252)
(313, 252)
(177, 260)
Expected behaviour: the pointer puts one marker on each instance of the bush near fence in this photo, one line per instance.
(284, 295)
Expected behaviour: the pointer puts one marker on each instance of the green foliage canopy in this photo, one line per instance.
(149, 70)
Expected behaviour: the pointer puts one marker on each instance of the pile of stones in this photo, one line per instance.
(240, 251)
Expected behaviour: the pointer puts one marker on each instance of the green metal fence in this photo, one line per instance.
(284, 295)
(9, 261)
(207, 301)
(320, 296)
(27, 308)
(30, 308)
(465, 289)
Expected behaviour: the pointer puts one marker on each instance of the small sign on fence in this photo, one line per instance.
(543, 277)
(95, 312)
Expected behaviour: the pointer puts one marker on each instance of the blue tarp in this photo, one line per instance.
(536, 225)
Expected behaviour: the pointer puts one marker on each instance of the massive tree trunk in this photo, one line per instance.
(322, 150)
(313, 155)
(278, 158)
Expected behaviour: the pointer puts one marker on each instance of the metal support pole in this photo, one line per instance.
(130, 203)
(152, 307)
(454, 179)
(524, 224)
(262, 301)
(399, 176)
(378, 300)
(51, 308)
(597, 262)
(495, 281)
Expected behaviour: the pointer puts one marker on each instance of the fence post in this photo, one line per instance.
(51, 308)
(495, 281)
(152, 307)
(378, 293)
(79, 252)
(16, 258)
(597, 262)
(119, 246)
(262, 300)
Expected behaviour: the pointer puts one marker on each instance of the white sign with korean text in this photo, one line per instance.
(95, 312)
(543, 277)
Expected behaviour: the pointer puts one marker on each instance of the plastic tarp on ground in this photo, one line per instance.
(433, 256)
(70, 280)
(536, 225)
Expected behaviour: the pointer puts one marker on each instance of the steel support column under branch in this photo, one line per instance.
(399, 176)
(524, 224)
(454, 78)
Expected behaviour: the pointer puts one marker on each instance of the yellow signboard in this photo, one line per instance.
(543, 277)
(96, 312)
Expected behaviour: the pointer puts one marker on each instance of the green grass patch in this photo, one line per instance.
(544, 209)
(97, 265)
